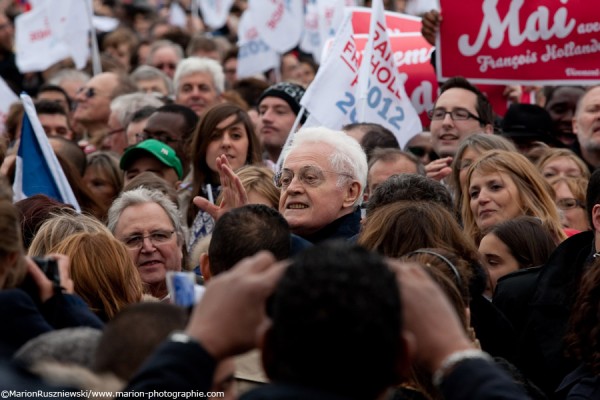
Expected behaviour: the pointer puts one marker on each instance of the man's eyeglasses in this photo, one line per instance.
(309, 176)
(569, 204)
(87, 92)
(458, 114)
(157, 238)
(421, 151)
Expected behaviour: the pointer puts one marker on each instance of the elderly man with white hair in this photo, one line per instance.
(199, 83)
(322, 181)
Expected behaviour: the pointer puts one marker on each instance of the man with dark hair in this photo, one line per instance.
(460, 111)
(549, 293)
(54, 119)
(173, 124)
(409, 187)
(55, 93)
(319, 314)
(243, 232)
(278, 107)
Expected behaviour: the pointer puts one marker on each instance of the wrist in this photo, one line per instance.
(453, 360)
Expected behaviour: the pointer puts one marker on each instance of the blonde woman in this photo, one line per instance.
(502, 185)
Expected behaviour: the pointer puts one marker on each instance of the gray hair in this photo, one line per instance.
(69, 74)
(159, 44)
(148, 72)
(126, 105)
(347, 156)
(142, 196)
(193, 65)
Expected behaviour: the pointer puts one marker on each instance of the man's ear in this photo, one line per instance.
(205, 266)
(408, 349)
(264, 341)
(596, 217)
(489, 129)
(352, 193)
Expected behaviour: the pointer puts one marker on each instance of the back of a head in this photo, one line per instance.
(68, 345)
(409, 187)
(245, 231)
(34, 211)
(103, 272)
(151, 181)
(131, 337)
(11, 274)
(336, 323)
(378, 137)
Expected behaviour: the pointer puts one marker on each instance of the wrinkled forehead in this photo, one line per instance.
(309, 154)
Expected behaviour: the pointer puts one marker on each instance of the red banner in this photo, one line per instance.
(540, 42)
(396, 22)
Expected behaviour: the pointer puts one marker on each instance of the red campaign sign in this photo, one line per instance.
(540, 42)
(412, 54)
(396, 22)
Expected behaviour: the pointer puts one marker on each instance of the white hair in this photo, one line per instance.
(193, 65)
(126, 105)
(347, 156)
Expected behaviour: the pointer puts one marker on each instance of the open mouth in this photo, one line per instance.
(296, 206)
(150, 263)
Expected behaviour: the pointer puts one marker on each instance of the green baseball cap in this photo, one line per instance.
(163, 152)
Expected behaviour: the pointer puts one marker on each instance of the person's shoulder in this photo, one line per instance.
(523, 279)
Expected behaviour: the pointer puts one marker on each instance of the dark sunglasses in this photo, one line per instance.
(167, 65)
(421, 151)
(87, 92)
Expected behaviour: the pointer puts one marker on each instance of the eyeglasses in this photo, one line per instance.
(87, 92)
(458, 114)
(161, 137)
(309, 176)
(156, 238)
(569, 204)
(166, 65)
(421, 151)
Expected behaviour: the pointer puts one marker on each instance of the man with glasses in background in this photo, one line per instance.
(460, 111)
(93, 103)
(148, 223)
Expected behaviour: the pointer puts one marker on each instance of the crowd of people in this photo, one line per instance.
(462, 266)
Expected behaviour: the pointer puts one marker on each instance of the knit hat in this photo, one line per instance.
(288, 92)
(163, 152)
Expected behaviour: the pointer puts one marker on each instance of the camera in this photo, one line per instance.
(49, 267)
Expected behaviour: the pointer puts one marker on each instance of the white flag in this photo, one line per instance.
(312, 42)
(51, 32)
(7, 97)
(254, 55)
(279, 22)
(382, 98)
(215, 12)
(330, 98)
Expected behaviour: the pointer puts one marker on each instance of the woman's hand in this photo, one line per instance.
(234, 194)
(45, 285)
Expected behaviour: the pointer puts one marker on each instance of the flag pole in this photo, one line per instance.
(290, 138)
(96, 64)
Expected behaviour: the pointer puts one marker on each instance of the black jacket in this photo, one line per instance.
(538, 302)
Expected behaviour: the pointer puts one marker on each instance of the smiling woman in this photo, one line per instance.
(225, 129)
(502, 185)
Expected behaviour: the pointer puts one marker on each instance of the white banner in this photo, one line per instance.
(7, 97)
(279, 22)
(51, 32)
(215, 12)
(382, 98)
(254, 55)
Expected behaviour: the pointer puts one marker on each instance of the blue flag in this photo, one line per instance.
(38, 170)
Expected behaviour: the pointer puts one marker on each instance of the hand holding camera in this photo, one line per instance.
(49, 274)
